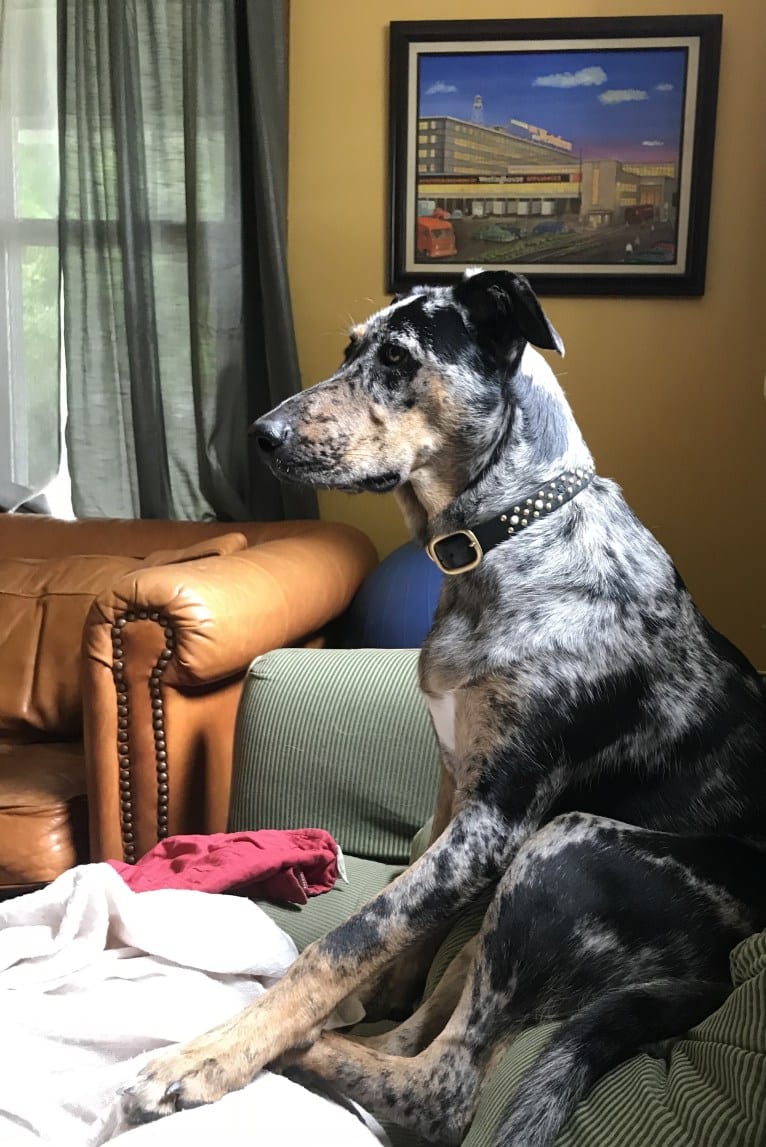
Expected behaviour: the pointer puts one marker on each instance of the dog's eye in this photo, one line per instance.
(391, 354)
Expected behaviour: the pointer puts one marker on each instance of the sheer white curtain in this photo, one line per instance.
(30, 375)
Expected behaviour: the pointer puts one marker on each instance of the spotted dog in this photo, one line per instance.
(603, 747)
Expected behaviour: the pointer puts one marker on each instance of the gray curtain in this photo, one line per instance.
(177, 322)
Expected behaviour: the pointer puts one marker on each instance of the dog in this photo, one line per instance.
(603, 747)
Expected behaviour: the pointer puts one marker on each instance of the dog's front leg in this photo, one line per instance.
(468, 855)
(393, 995)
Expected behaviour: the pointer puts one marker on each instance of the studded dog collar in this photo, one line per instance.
(462, 550)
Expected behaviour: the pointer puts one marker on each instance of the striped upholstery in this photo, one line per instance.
(308, 922)
(710, 1093)
(337, 739)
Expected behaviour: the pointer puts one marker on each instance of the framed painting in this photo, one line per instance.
(578, 152)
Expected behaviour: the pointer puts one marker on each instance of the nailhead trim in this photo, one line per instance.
(158, 727)
(553, 495)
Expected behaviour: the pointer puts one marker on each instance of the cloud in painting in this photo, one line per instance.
(652, 142)
(623, 96)
(584, 78)
(440, 89)
(664, 87)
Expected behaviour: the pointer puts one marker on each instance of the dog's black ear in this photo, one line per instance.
(498, 300)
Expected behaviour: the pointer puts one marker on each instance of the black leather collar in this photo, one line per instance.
(462, 550)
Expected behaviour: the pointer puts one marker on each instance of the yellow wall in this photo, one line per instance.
(670, 393)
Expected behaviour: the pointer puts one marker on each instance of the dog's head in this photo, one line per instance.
(420, 394)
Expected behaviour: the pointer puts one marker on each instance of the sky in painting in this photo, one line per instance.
(621, 104)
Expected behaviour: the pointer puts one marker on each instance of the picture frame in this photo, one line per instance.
(578, 152)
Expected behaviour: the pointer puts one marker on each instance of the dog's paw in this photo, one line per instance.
(185, 1079)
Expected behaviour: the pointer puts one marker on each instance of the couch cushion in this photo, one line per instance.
(326, 738)
(308, 922)
(43, 819)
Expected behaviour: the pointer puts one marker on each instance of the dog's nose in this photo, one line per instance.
(271, 433)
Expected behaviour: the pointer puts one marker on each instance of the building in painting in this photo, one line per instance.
(470, 169)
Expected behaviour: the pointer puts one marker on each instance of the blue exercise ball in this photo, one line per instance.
(395, 604)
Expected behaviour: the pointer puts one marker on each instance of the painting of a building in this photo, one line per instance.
(475, 170)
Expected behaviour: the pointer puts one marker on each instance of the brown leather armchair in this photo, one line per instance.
(121, 665)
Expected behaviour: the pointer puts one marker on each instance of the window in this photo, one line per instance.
(30, 390)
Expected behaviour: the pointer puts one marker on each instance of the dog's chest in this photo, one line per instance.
(442, 709)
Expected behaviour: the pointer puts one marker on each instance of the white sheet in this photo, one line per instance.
(95, 979)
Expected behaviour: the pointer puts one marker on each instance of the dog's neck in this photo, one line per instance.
(536, 438)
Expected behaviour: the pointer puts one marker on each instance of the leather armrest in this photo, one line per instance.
(165, 651)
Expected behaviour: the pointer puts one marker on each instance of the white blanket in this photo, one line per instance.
(95, 979)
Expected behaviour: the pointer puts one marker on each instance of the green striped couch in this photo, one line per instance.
(339, 739)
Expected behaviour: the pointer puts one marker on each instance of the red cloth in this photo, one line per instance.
(271, 864)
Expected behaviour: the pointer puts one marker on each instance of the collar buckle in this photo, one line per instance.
(455, 553)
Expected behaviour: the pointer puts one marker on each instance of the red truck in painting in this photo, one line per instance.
(435, 236)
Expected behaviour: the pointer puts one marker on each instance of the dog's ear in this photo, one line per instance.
(497, 301)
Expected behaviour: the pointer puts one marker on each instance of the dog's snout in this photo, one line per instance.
(271, 433)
